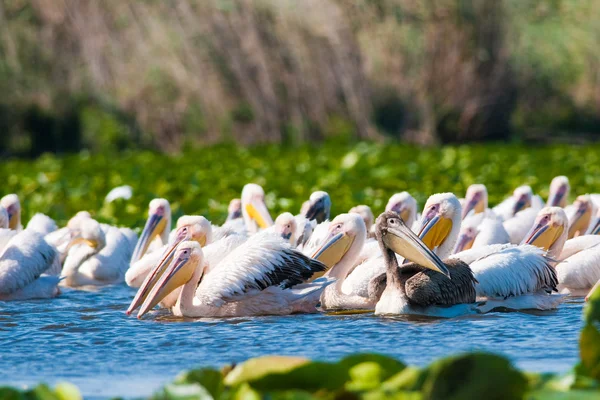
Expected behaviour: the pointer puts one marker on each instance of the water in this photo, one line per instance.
(86, 338)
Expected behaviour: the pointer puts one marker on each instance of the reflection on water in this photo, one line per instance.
(86, 338)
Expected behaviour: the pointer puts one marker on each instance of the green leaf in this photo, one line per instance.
(67, 391)
(365, 376)
(258, 367)
(41, 392)
(191, 391)
(410, 378)
(389, 366)
(548, 394)
(591, 311)
(8, 393)
(311, 377)
(245, 392)
(589, 350)
(210, 379)
(474, 376)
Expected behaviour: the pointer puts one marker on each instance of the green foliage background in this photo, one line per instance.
(202, 181)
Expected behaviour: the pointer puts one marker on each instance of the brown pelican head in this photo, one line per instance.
(318, 207)
(234, 211)
(405, 205)
(192, 228)
(346, 236)
(187, 257)
(13, 207)
(522, 198)
(476, 200)
(581, 216)
(365, 213)
(549, 230)
(285, 225)
(559, 191)
(440, 223)
(394, 235)
(158, 224)
(254, 209)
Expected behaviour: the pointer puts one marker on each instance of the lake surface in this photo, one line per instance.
(86, 338)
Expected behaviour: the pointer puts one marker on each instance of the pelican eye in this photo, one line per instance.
(392, 221)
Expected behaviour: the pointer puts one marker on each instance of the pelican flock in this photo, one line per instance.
(452, 257)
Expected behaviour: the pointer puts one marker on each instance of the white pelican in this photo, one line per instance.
(234, 210)
(426, 287)
(96, 257)
(405, 205)
(479, 230)
(156, 231)
(518, 226)
(476, 200)
(580, 215)
(5, 233)
(521, 199)
(340, 251)
(120, 192)
(578, 266)
(559, 192)
(254, 210)
(517, 277)
(286, 227)
(60, 238)
(367, 215)
(317, 207)
(24, 260)
(189, 227)
(263, 276)
(13, 207)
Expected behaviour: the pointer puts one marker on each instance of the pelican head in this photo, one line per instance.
(346, 237)
(440, 223)
(254, 209)
(559, 191)
(318, 207)
(476, 199)
(188, 256)
(405, 205)
(234, 211)
(192, 228)
(3, 218)
(90, 235)
(393, 234)
(549, 230)
(13, 207)
(157, 224)
(285, 225)
(594, 227)
(366, 214)
(522, 196)
(579, 220)
(468, 233)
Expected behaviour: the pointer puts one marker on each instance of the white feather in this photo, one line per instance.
(518, 226)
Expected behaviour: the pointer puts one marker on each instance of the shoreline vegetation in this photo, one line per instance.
(109, 76)
(204, 180)
(374, 376)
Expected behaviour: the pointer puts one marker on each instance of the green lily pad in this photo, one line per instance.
(389, 366)
(8, 393)
(258, 367)
(474, 376)
(410, 378)
(589, 350)
(67, 391)
(547, 394)
(191, 391)
(365, 376)
(41, 392)
(210, 379)
(591, 311)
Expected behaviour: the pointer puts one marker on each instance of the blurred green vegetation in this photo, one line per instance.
(204, 180)
(169, 75)
(377, 377)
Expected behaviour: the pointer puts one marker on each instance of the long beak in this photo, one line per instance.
(594, 228)
(543, 235)
(579, 223)
(153, 227)
(521, 204)
(404, 242)
(556, 198)
(468, 207)
(178, 273)
(464, 242)
(259, 213)
(12, 220)
(156, 273)
(316, 211)
(334, 248)
(435, 230)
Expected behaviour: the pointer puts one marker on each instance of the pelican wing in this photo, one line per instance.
(232, 227)
(504, 210)
(581, 270)
(577, 244)
(507, 271)
(25, 258)
(263, 261)
(432, 288)
(5, 236)
(491, 231)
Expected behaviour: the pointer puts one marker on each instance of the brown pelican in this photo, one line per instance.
(427, 286)
(156, 231)
(263, 276)
(578, 259)
(317, 207)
